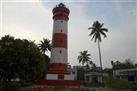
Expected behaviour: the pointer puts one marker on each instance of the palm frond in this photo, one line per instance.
(103, 34)
(104, 29)
(92, 32)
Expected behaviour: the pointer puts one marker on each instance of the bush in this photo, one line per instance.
(11, 86)
(134, 88)
(94, 84)
(118, 83)
(77, 89)
(59, 88)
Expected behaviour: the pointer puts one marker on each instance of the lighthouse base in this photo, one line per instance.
(60, 77)
(59, 80)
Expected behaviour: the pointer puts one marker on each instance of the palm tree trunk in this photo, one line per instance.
(100, 60)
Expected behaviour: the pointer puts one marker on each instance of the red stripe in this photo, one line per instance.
(60, 9)
(61, 13)
(58, 68)
(59, 40)
(60, 17)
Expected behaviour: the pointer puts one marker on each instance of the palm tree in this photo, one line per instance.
(84, 58)
(44, 45)
(96, 31)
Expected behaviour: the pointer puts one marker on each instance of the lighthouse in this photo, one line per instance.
(58, 68)
(59, 73)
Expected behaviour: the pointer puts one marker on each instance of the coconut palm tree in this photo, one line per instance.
(84, 58)
(44, 45)
(96, 31)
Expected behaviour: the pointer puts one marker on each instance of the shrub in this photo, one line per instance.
(118, 83)
(11, 86)
(77, 89)
(38, 89)
(134, 88)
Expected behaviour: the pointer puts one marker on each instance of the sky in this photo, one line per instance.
(32, 20)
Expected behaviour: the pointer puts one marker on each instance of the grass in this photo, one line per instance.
(55, 89)
(71, 89)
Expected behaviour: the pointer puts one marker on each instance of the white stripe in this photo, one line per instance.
(59, 57)
(58, 26)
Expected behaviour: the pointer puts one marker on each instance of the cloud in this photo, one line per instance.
(21, 1)
(33, 20)
(26, 20)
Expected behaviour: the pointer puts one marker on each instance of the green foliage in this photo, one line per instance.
(134, 87)
(78, 89)
(11, 86)
(22, 59)
(84, 57)
(93, 84)
(123, 65)
(97, 30)
(69, 89)
(59, 88)
(44, 46)
(118, 83)
(38, 89)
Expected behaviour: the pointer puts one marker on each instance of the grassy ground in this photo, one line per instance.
(53, 89)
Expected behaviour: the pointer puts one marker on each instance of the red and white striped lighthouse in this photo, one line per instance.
(59, 52)
(58, 72)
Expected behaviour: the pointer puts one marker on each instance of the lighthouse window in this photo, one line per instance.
(60, 51)
(61, 30)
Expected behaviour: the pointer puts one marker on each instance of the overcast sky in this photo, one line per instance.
(32, 19)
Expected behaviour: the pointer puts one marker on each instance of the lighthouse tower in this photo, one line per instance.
(58, 68)
(59, 72)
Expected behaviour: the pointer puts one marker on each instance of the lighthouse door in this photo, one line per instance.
(60, 77)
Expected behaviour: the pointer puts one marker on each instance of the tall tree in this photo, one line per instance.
(20, 58)
(84, 58)
(44, 46)
(96, 31)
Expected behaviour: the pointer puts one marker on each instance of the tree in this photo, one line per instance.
(21, 58)
(122, 65)
(45, 46)
(6, 65)
(84, 58)
(96, 31)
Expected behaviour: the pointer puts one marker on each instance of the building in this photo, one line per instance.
(95, 76)
(128, 74)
